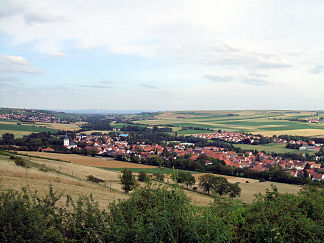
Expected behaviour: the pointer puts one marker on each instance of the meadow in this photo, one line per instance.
(267, 123)
(69, 175)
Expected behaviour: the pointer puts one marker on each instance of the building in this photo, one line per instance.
(68, 144)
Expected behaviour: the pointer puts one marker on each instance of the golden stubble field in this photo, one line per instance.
(70, 178)
(66, 178)
(87, 160)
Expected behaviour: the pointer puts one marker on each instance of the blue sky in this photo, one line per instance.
(162, 55)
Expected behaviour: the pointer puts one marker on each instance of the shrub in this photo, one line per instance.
(19, 161)
(94, 179)
(142, 176)
(159, 176)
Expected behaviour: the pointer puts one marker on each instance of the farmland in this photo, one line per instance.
(73, 169)
(21, 130)
(267, 123)
(26, 128)
(269, 148)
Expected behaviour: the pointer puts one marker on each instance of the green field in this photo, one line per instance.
(148, 170)
(21, 130)
(267, 123)
(272, 147)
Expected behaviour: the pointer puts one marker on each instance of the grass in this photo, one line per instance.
(149, 170)
(71, 178)
(17, 134)
(272, 147)
(15, 127)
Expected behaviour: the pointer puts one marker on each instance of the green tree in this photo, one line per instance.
(142, 176)
(234, 190)
(8, 139)
(276, 217)
(206, 182)
(128, 180)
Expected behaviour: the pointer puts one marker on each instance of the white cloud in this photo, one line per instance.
(254, 81)
(216, 78)
(317, 69)
(17, 64)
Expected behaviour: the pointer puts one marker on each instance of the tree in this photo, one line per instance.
(206, 182)
(235, 190)
(189, 179)
(8, 139)
(128, 180)
(219, 185)
(142, 176)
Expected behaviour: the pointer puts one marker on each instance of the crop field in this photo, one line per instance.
(162, 170)
(267, 123)
(21, 130)
(272, 147)
(89, 161)
(59, 126)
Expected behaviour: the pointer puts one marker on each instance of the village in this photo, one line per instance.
(105, 145)
(31, 118)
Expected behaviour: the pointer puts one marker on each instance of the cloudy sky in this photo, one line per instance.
(162, 55)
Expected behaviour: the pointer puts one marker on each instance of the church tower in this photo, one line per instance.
(66, 141)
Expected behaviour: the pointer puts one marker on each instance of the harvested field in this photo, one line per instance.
(70, 178)
(249, 189)
(86, 160)
(15, 177)
(297, 132)
(59, 126)
(254, 186)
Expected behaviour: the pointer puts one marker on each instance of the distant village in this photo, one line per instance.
(31, 118)
(113, 146)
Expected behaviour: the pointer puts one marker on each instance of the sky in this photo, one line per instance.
(162, 55)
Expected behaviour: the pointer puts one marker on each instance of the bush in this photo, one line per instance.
(19, 161)
(128, 180)
(159, 176)
(94, 179)
(142, 176)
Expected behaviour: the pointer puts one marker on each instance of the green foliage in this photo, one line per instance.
(159, 176)
(162, 214)
(24, 217)
(94, 179)
(8, 139)
(184, 177)
(142, 176)
(276, 217)
(128, 180)
(219, 185)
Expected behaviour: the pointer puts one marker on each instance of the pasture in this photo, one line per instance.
(267, 123)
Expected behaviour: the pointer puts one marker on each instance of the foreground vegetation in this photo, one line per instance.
(162, 214)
